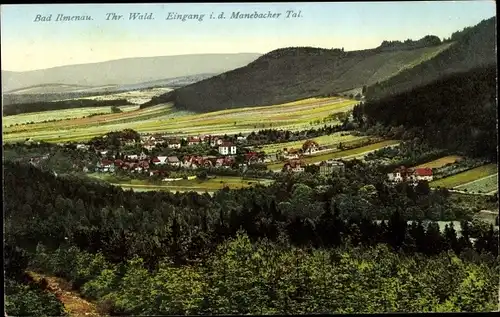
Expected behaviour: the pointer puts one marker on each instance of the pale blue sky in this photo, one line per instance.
(28, 45)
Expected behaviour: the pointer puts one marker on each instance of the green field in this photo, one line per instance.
(465, 177)
(485, 185)
(360, 151)
(324, 140)
(164, 118)
(209, 185)
(62, 114)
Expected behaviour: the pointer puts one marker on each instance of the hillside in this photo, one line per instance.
(126, 71)
(473, 47)
(457, 112)
(289, 74)
(54, 92)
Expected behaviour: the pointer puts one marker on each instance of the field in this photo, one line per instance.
(486, 185)
(209, 185)
(324, 140)
(164, 118)
(466, 177)
(347, 154)
(63, 114)
(440, 162)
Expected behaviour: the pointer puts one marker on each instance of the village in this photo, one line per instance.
(226, 152)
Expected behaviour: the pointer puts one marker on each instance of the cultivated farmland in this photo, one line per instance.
(324, 140)
(440, 162)
(349, 154)
(165, 118)
(485, 185)
(466, 177)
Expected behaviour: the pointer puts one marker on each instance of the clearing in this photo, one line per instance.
(73, 303)
(488, 184)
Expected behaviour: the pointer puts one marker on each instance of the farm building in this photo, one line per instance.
(296, 166)
(330, 166)
(403, 174)
(291, 154)
(310, 147)
(227, 148)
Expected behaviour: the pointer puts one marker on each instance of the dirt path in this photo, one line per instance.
(73, 303)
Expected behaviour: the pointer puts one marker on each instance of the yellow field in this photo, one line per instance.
(440, 162)
(163, 118)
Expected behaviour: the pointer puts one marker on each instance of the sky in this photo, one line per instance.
(30, 44)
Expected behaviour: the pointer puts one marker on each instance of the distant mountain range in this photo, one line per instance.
(118, 73)
(289, 74)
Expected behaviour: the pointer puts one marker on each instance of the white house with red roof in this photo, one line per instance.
(414, 175)
(227, 148)
(193, 140)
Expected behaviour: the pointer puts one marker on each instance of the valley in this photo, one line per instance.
(303, 180)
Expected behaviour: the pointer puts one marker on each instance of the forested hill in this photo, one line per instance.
(457, 112)
(473, 47)
(289, 74)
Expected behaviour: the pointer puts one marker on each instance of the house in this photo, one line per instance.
(330, 166)
(118, 163)
(193, 140)
(424, 174)
(142, 166)
(149, 145)
(106, 166)
(160, 160)
(82, 147)
(227, 148)
(241, 139)
(132, 157)
(174, 144)
(310, 147)
(174, 161)
(413, 175)
(252, 157)
(296, 166)
(291, 154)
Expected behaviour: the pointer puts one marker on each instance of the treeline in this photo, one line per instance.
(457, 113)
(474, 47)
(19, 108)
(42, 208)
(426, 41)
(264, 277)
(191, 231)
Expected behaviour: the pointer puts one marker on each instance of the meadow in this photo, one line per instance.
(63, 114)
(347, 154)
(165, 118)
(440, 162)
(324, 140)
(466, 177)
(198, 185)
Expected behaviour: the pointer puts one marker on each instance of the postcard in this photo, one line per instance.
(250, 158)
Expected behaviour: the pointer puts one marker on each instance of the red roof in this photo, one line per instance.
(156, 160)
(106, 162)
(118, 162)
(227, 144)
(423, 171)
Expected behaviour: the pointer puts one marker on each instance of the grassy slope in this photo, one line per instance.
(295, 73)
(476, 48)
(440, 162)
